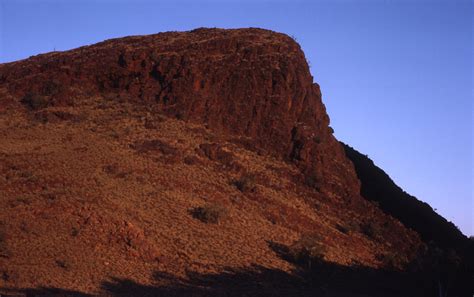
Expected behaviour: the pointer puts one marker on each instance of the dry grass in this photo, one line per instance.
(123, 201)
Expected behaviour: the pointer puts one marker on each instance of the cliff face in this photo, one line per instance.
(250, 82)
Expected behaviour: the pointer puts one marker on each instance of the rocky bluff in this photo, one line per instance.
(249, 82)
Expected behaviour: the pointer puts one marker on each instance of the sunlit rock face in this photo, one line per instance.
(249, 82)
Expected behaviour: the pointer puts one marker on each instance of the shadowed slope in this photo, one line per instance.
(377, 186)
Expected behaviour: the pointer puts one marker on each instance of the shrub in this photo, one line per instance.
(246, 183)
(191, 160)
(64, 264)
(342, 228)
(56, 116)
(4, 253)
(371, 230)
(35, 101)
(154, 145)
(312, 182)
(209, 213)
(348, 227)
(375, 203)
(392, 261)
(308, 250)
(353, 226)
(216, 152)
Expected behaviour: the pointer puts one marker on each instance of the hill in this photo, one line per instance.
(182, 163)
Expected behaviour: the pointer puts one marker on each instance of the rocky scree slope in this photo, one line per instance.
(108, 150)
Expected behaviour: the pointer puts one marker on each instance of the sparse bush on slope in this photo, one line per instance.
(246, 183)
(209, 213)
(371, 230)
(308, 250)
(35, 101)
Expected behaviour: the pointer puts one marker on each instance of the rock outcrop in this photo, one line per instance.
(248, 82)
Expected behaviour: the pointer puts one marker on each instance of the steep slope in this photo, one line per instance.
(377, 186)
(111, 154)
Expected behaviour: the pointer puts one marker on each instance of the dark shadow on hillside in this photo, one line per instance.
(321, 279)
(355, 280)
(377, 186)
(435, 230)
(326, 280)
(42, 292)
(251, 281)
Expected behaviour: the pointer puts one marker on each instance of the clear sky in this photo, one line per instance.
(396, 75)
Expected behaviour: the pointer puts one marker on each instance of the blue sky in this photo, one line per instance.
(396, 76)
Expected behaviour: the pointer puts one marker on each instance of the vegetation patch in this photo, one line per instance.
(308, 250)
(191, 160)
(4, 253)
(348, 228)
(35, 101)
(154, 145)
(392, 261)
(342, 229)
(371, 230)
(62, 264)
(115, 171)
(246, 183)
(45, 116)
(216, 152)
(312, 182)
(209, 213)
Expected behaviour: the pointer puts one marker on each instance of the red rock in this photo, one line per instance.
(248, 82)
